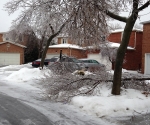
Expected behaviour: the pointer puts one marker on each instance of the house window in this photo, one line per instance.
(64, 40)
(7, 38)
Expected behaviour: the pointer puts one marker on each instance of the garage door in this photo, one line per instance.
(100, 59)
(147, 63)
(51, 55)
(9, 58)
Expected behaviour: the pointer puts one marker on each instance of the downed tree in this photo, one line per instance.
(64, 85)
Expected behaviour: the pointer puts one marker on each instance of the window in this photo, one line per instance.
(94, 61)
(64, 40)
(7, 38)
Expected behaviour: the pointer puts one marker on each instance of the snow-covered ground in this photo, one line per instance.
(24, 82)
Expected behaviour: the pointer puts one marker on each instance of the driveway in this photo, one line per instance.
(14, 112)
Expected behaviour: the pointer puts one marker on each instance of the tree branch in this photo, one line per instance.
(52, 29)
(117, 17)
(144, 6)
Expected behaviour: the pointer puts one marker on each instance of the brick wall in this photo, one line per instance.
(146, 43)
(12, 49)
(67, 51)
(115, 37)
(1, 37)
(133, 58)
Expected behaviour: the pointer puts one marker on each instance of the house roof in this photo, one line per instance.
(110, 45)
(116, 45)
(72, 46)
(17, 44)
(145, 22)
(121, 30)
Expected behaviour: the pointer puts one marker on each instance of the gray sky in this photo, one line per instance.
(5, 21)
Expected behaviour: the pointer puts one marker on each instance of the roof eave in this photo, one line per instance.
(17, 44)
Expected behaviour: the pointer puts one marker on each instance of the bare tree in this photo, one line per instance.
(85, 21)
(130, 21)
(48, 17)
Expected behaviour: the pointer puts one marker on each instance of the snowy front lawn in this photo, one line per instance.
(101, 104)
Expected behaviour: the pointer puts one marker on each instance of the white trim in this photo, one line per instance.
(145, 22)
(145, 65)
(121, 30)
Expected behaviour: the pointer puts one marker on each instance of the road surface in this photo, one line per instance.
(14, 112)
(136, 120)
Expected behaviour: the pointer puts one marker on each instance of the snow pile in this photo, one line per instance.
(105, 104)
(26, 74)
(15, 67)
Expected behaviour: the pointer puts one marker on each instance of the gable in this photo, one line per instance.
(9, 47)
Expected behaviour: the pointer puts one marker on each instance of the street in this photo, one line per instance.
(13, 112)
(136, 119)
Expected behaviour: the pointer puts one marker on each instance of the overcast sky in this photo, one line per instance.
(5, 21)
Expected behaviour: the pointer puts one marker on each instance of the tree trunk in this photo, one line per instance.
(121, 54)
(45, 50)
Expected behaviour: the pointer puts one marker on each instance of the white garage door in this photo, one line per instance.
(51, 55)
(100, 59)
(147, 63)
(9, 58)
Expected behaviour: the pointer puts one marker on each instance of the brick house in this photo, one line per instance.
(146, 48)
(64, 44)
(133, 54)
(10, 53)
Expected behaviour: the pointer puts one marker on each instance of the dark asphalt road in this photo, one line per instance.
(14, 112)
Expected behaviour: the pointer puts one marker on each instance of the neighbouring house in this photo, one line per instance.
(133, 56)
(10, 53)
(67, 49)
(64, 44)
(146, 48)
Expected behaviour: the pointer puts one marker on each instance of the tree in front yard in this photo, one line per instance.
(136, 7)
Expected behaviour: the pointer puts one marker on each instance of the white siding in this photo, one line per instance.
(51, 55)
